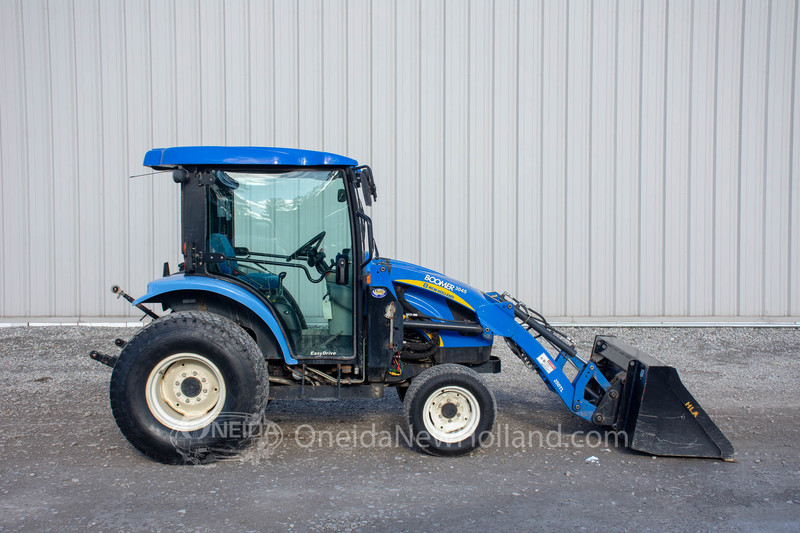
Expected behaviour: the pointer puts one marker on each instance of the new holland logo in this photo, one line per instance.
(378, 293)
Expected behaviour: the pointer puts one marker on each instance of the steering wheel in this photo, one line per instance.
(309, 249)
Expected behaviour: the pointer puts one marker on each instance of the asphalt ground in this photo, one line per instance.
(342, 466)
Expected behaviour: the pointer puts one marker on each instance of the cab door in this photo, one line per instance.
(285, 233)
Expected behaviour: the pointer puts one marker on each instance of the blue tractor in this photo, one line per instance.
(283, 295)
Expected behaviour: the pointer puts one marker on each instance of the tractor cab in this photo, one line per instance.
(287, 226)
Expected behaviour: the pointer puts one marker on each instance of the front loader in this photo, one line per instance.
(283, 295)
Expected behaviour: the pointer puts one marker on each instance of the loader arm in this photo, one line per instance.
(573, 392)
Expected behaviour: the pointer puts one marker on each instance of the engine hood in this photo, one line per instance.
(385, 272)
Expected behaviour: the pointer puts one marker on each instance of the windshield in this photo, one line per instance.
(275, 213)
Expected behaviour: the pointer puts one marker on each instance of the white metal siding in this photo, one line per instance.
(596, 158)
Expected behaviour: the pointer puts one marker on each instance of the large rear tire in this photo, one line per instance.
(189, 388)
(449, 410)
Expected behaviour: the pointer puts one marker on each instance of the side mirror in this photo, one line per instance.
(341, 196)
(342, 269)
(367, 183)
(365, 189)
(373, 190)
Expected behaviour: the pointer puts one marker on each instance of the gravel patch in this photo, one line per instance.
(64, 466)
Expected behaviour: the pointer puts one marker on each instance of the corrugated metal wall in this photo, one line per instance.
(605, 158)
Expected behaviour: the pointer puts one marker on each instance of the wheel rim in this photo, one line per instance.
(185, 391)
(451, 414)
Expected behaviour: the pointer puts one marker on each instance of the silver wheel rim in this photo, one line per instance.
(451, 414)
(185, 391)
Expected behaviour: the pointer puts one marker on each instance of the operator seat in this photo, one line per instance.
(263, 281)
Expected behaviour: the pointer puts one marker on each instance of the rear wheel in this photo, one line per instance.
(189, 388)
(449, 409)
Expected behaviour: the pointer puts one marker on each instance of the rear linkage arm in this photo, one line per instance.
(111, 360)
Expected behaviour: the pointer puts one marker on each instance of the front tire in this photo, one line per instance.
(189, 388)
(449, 409)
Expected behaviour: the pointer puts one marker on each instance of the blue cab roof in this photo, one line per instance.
(241, 155)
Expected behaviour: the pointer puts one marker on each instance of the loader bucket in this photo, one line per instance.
(652, 407)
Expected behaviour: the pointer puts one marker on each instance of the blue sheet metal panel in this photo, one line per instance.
(428, 289)
(241, 155)
(432, 305)
(409, 274)
(179, 282)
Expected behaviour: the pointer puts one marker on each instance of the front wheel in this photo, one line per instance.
(449, 410)
(189, 388)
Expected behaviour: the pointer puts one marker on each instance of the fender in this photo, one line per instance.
(181, 282)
